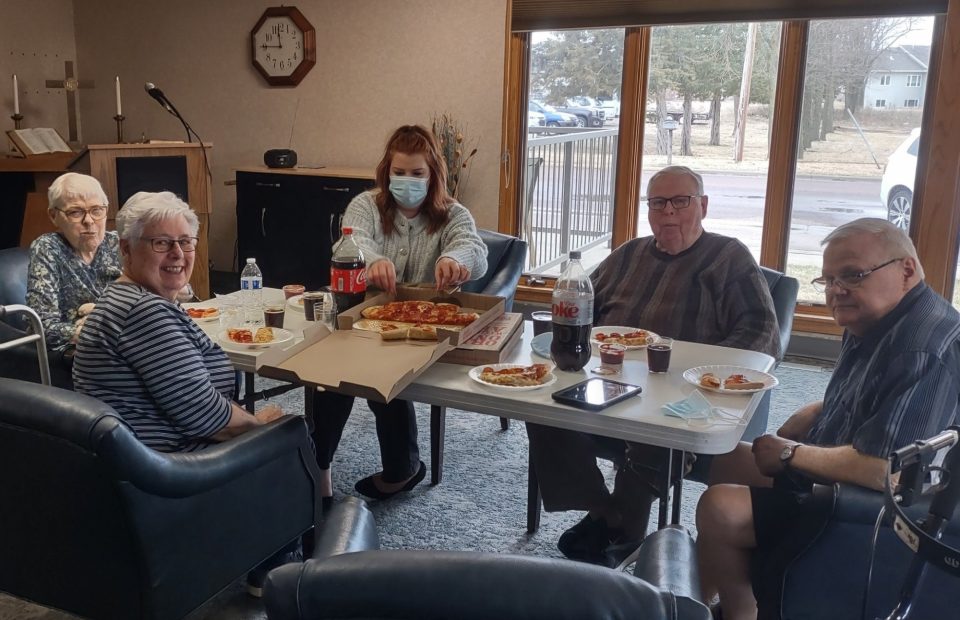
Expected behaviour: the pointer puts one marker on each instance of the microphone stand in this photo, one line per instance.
(172, 109)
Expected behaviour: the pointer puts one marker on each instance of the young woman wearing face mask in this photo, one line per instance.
(410, 230)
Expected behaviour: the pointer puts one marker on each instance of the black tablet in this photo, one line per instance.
(595, 394)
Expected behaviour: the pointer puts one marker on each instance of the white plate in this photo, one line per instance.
(206, 319)
(693, 375)
(609, 329)
(476, 370)
(541, 344)
(279, 336)
(296, 302)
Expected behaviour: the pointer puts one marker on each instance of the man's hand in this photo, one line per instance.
(449, 272)
(268, 414)
(383, 275)
(766, 453)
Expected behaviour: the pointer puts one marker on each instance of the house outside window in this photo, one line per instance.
(884, 81)
(911, 103)
(913, 81)
(881, 103)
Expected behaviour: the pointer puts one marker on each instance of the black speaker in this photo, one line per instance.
(280, 158)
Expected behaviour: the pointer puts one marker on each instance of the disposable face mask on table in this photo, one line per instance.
(696, 408)
(410, 192)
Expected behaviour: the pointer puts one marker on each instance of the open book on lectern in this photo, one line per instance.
(38, 141)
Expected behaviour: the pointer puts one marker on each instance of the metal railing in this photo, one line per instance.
(35, 336)
(569, 198)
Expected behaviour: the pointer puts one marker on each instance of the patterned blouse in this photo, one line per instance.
(59, 282)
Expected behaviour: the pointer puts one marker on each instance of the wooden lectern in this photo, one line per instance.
(24, 182)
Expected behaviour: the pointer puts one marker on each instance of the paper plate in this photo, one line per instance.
(279, 336)
(541, 344)
(474, 374)
(296, 302)
(693, 375)
(610, 329)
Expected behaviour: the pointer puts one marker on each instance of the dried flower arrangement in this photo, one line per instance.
(457, 151)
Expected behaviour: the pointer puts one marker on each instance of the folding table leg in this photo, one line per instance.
(664, 507)
(678, 489)
(438, 427)
(504, 424)
(249, 394)
(533, 498)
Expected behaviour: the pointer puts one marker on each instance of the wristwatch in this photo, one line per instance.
(786, 455)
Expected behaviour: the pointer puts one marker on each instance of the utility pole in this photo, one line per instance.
(741, 127)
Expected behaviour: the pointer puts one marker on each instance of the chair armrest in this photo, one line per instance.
(186, 474)
(348, 527)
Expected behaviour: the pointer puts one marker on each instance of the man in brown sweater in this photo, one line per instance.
(684, 283)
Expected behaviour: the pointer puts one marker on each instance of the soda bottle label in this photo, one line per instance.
(573, 311)
(348, 280)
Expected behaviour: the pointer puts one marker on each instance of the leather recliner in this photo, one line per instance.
(21, 362)
(95, 523)
(469, 585)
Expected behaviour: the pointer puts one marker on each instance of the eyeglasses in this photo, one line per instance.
(847, 281)
(162, 245)
(678, 202)
(76, 214)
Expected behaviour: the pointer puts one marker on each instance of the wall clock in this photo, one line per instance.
(283, 46)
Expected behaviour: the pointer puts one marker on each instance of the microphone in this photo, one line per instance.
(157, 94)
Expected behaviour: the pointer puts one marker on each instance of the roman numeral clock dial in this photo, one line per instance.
(284, 46)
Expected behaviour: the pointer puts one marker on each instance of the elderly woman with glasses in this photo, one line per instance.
(70, 268)
(141, 353)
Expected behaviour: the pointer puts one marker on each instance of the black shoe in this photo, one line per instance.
(368, 488)
(257, 577)
(587, 540)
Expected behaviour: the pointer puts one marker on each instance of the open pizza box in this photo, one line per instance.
(489, 307)
(351, 362)
(491, 345)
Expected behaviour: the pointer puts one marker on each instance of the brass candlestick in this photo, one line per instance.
(119, 118)
(17, 121)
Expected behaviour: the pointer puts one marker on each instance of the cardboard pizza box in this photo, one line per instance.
(352, 362)
(489, 307)
(492, 345)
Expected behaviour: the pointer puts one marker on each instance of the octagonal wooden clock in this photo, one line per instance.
(283, 46)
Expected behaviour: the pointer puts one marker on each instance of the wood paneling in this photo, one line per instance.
(578, 14)
(514, 143)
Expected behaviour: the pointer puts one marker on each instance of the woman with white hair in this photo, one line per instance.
(70, 268)
(140, 352)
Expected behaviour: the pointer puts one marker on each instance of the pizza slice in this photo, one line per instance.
(243, 336)
(423, 332)
(264, 334)
(393, 332)
(710, 380)
(740, 382)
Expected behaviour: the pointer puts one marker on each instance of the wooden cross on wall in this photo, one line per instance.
(70, 84)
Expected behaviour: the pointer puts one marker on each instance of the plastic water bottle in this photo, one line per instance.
(348, 279)
(572, 317)
(251, 291)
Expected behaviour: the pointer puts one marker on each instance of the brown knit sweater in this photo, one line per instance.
(712, 293)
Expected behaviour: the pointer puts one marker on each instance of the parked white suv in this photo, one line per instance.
(896, 186)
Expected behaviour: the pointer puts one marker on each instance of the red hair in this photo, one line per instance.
(414, 140)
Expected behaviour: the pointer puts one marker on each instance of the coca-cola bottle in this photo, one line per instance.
(348, 278)
(572, 317)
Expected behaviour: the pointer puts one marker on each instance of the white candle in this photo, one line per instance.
(119, 113)
(16, 96)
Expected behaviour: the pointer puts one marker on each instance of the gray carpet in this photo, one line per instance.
(481, 503)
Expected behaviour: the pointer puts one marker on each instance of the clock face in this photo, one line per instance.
(283, 46)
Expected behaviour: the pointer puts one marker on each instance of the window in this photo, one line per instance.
(913, 81)
(885, 80)
(881, 103)
(911, 103)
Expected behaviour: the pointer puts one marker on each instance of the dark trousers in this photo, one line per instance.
(569, 478)
(396, 432)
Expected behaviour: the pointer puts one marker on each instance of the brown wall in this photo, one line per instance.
(380, 63)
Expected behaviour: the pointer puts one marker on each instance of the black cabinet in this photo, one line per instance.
(289, 221)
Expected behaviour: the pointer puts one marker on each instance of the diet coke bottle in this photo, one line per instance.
(572, 317)
(348, 278)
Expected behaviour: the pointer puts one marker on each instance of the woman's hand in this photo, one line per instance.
(383, 275)
(449, 272)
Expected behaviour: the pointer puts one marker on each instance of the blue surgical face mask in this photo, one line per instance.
(410, 192)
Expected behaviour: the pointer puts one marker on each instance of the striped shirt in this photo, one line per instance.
(898, 383)
(712, 293)
(413, 251)
(143, 355)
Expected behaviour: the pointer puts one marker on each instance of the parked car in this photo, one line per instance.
(896, 186)
(553, 118)
(699, 111)
(610, 106)
(587, 115)
(536, 119)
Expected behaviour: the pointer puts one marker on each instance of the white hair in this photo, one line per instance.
(148, 207)
(677, 170)
(74, 186)
(891, 238)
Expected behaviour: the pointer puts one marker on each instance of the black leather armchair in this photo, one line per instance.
(467, 585)
(828, 579)
(505, 260)
(21, 362)
(95, 523)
